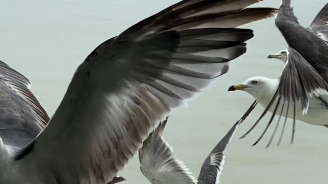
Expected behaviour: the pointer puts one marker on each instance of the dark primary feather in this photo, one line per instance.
(21, 115)
(210, 173)
(204, 11)
(129, 83)
(319, 24)
(321, 18)
(305, 79)
(213, 164)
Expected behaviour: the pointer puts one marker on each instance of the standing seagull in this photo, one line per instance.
(159, 166)
(302, 88)
(126, 86)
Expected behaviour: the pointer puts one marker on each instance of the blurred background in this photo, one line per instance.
(47, 40)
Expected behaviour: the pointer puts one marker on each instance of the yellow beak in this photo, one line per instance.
(236, 87)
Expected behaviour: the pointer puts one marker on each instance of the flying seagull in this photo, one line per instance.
(319, 26)
(159, 166)
(22, 117)
(304, 77)
(127, 85)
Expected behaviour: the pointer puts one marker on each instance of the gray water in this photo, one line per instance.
(47, 40)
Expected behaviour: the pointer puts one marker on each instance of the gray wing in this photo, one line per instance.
(21, 115)
(158, 164)
(299, 82)
(130, 83)
(303, 40)
(320, 23)
(213, 164)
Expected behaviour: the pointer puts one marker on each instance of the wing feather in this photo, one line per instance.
(158, 164)
(319, 24)
(21, 85)
(213, 164)
(21, 115)
(126, 86)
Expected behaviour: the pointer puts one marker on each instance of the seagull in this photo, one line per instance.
(22, 116)
(159, 166)
(126, 86)
(318, 26)
(302, 88)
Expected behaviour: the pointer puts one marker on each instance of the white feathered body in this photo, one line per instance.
(317, 113)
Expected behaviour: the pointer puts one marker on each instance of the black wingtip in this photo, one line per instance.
(243, 136)
(249, 110)
(117, 179)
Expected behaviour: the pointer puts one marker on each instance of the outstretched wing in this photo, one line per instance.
(131, 82)
(158, 164)
(319, 24)
(213, 164)
(21, 115)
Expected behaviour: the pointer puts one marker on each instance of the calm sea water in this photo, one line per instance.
(47, 40)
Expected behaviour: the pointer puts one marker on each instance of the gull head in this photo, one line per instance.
(281, 55)
(258, 87)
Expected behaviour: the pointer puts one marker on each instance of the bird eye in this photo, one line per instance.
(283, 52)
(254, 82)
